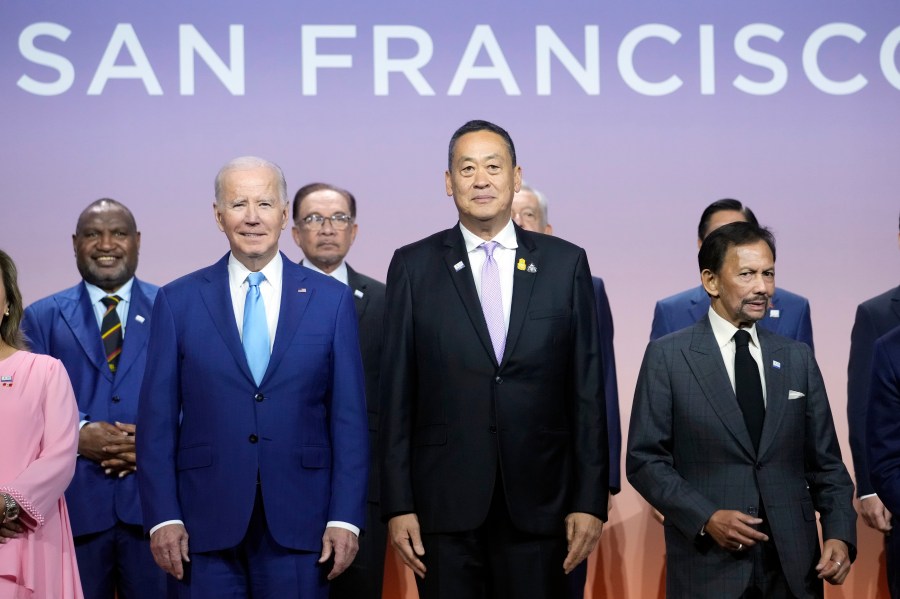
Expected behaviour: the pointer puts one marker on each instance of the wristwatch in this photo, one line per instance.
(11, 508)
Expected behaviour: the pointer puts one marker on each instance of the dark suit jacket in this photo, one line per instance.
(208, 433)
(452, 415)
(368, 296)
(884, 422)
(64, 326)
(788, 316)
(689, 454)
(610, 384)
(874, 318)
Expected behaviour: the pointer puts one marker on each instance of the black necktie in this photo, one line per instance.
(748, 387)
(111, 331)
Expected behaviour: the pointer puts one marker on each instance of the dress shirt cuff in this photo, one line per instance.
(82, 424)
(861, 497)
(166, 523)
(339, 524)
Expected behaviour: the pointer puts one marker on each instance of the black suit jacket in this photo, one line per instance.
(874, 318)
(368, 295)
(452, 415)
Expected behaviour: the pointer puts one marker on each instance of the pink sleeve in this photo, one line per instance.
(38, 488)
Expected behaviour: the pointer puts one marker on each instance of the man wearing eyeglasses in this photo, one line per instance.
(325, 228)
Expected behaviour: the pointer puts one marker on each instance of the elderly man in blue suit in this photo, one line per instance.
(254, 442)
(99, 330)
(787, 314)
(530, 211)
(883, 441)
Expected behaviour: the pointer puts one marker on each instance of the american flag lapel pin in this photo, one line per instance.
(6, 380)
(459, 266)
(776, 364)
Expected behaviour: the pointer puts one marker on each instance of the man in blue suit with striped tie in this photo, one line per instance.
(788, 313)
(253, 453)
(99, 330)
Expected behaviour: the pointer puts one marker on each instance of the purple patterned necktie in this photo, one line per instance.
(492, 300)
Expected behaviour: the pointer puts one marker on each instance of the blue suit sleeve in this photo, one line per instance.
(610, 384)
(883, 425)
(804, 327)
(859, 376)
(659, 326)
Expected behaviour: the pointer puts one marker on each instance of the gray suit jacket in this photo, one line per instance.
(689, 454)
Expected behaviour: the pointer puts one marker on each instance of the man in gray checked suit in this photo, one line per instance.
(732, 440)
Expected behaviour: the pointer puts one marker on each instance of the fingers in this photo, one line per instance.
(834, 565)
(407, 541)
(10, 530)
(734, 530)
(169, 546)
(874, 514)
(585, 533)
(343, 545)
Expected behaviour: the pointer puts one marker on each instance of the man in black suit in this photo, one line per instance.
(494, 444)
(325, 228)
(874, 318)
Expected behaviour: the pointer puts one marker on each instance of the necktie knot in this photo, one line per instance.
(489, 247)
(742, 338)
(255, 278)
(110, 301)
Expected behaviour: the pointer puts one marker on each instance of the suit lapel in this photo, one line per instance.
(360, 297)
(137, 330)
(455, 255)
(296, 293)
(217, 298)
(523, 283)
(79, 315)
(705, 360)
(775, 366)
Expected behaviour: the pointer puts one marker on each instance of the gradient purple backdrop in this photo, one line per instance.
(627, 174)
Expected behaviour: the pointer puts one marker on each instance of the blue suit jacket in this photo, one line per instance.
(208, 433)
(610, 384)
(65, 327)
(874, 318)
(788, 316)
(883, 429)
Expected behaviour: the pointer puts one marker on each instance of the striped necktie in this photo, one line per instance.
(111, 331)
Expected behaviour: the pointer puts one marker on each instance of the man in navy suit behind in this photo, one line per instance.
(253, 451)
(530, 211)
(788, 313)
(113, 555)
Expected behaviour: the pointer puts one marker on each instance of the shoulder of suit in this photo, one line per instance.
(431, 242)
(785, 297)
(191, 279)
(370, 283)
(70, 294)
(683, 297)
(882, 301)
(148, 289)
(548, 242)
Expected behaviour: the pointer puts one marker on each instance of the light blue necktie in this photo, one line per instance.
(255, 336)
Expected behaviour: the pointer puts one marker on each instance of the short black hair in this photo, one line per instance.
(312, 188)
(713, 249)
(129, 217)
(721, 206)
(476, 125)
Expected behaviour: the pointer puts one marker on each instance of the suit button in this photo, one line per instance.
(498, 380)
(259, 397)
(116, 399)
(492, 428)
(254, 438)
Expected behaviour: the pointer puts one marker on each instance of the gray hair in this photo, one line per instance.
(541, 198)
(244, 163)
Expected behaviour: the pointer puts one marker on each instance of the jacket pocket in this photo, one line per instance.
(195, 456)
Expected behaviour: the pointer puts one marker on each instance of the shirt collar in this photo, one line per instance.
(506, 238)
(339, 273)
(237, 272)
(96, 294)
(724, 330)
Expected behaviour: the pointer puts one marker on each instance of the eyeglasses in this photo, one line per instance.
(339, 222)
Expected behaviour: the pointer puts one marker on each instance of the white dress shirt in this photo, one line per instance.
(96, 295)
(724, 332)
(504, 256)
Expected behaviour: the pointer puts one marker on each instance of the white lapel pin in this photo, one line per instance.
(531, 268)
(358, 293)
(459, 266)
(301, 290)
(773, 313)
(140, 318)
(776, 364)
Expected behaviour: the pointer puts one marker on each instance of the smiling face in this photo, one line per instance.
(482, 181)
(252, 214)
(326, 247)
(106, 246)
(741, 290)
